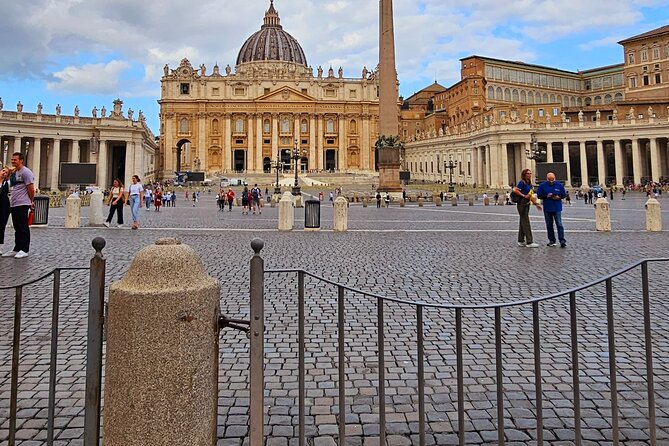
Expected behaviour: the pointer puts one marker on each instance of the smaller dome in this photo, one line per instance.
(271, 43)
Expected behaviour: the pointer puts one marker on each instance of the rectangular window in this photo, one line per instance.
(330, 93)
(646, 80)
(239, 141)
(305, 142)
(267, 141)
(632, 82)
(184, 88)
(352, 94)
(630, 58)
(239, 91)
(267, 90)
(304, 90)
(215, 91)
(556, 111)
(656, 53)
(541, 112)
(330, 141)
(658, 78)
(644, 56)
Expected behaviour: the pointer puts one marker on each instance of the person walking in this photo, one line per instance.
(552, 193)
(231, 198)
(524, 190)
(173, 199)
(158, 199)
(5, 210)
(116, 201)
(378, 200)
(135, 192)
(147, 198)
(245, 201)
(21, 202)
(255, 194)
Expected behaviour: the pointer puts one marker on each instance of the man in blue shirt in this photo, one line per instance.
(552, 193)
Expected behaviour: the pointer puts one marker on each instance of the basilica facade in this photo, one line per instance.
(270, 107)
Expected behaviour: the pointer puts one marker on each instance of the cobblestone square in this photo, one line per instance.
(429, 254)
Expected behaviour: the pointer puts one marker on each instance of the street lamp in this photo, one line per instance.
(450, 165)
(296, 156)
(535, 152)
(277, 165)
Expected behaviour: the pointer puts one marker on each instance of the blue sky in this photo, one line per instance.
(88, 52)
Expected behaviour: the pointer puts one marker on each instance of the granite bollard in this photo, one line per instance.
(96, 216)
(364, 202)
(602, 215)
(471, 200)
(161, 384)
(437, 201)
(286, 212)
(421, 202)
(73, 212)
(340, 215)
(402, 203)
(454, 201)
(486, 201)
(653, 215)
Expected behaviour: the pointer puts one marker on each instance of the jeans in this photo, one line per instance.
(557, 218)
(147, 201)
(21, 229)
(134, 207)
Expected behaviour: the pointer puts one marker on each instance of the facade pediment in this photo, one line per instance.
(285, 94)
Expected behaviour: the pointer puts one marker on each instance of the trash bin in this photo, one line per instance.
(312, 215)
(41, 216)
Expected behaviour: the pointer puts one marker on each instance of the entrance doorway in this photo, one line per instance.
(331, 160)
(239, 160)
(266, 165)
(118, 163)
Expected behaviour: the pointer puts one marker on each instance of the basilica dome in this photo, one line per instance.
(271, 43)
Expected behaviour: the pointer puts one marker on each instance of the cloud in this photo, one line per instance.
(599, 43)
(92, 78)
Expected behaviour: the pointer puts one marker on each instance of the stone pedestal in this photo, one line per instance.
(471, 200)
(602, 215)
(402, 203)
(421, 202)
(437, 201)
(96, 216)
(454, 201)
(298, 201)
(161, 384)
(653, 215)
(340, 215)
(73, 212)
(501, 200)
(486, 201)
(364, 202)
(286, 212)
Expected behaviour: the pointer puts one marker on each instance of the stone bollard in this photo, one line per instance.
(454, 201)
(437, 201)
(96, 216)
(653, 215)
(486, 201)
(501, 200)
(73, 212)
(340, 215)
(421, 202)
(471, 200)
(298, 201)
(602, 215)
(161, 382)
(286, 212)
(364, 202)
(402, 203)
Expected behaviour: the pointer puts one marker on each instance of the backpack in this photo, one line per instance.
(515, 198)
(254, 192)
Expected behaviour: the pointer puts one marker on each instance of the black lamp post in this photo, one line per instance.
(450, 165)
(296, 155)
(534, 152)
(277, 165)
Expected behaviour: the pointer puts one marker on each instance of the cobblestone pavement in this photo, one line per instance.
(436, 255)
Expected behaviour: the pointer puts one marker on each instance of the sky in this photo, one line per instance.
(87, 53)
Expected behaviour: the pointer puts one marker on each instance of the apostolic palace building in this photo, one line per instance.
(271, 104)
(610, 125)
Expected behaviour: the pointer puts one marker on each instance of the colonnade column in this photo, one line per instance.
(655, 169)
(319, 144)
(251, 161)
(313, 161)
(601, 164)
(103, 181)
(201, 141)
(260, 167)
(618, 155)
(129, 162)
(565, 156)
(342, 162)
(504, 168)
(75, 157)
(169, 163)
(36, 160)
(227, 152)
(584, 163)
(366, 144)
(298, 140)
(138, 163)
(636, 161)
(481, 166)
(549, 151)
(275, 136)
(55, 164)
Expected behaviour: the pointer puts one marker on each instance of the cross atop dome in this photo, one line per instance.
(272, 16)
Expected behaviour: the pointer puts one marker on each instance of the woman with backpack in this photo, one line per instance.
(245, 201)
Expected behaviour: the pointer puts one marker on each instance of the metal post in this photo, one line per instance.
(300, 347)
(460, 376)
(575, 369)
(649, 355)
(500, 376)
(537, 374)
(421, 375)
(612, 363)
(14, 386)
(382, 373)
(342, 366)
(256, 370)
(96, 302)
(53, 362)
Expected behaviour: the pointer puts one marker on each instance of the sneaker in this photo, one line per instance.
(9, 254)
(563, 245)
(551, 244)
(521, 244)
(21, 255)
(118, 225)
(532, 245)
(106, 224)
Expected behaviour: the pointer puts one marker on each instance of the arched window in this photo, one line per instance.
(572, 101)
(507, 95)
(214, 125)
(545, 99)
(552, 99)
(285, 125)
(266, 126)
(183, 126)
(588, 101)
(523, 96)
(499, 95)
(491, 92)
(353, 126)
(608, 99)
(516, 96)
(330, 126)
(304, 126)
(579, 102)
(598, 100)
(618, 97)
(530, 97)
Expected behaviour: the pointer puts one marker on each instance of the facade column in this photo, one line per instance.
(275, 136)
(342, 161)
(129, 163)
(504, 167)
(655, 169)
(251, 160)
(201, 142)
(636, 161)
(584, 163)
(565, 154)
(320, 156)
(55, 164)
(227, 151)
(169, 163)
(313, 161)
(260, 166)
(138, 164)
(297, 139)
(17, 146)
(618, 155)
(601, 164)
(549, 151)
(36, 155)
(481, 166)
(103, 170)
(75, 155)
(366, 139)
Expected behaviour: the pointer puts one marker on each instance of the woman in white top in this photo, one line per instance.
(135, 192)
(116, 201)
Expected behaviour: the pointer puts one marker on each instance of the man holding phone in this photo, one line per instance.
(552, 193)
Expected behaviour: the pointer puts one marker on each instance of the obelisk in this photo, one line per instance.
(388, 146)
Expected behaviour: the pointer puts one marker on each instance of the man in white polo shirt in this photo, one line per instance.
(21, 202)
